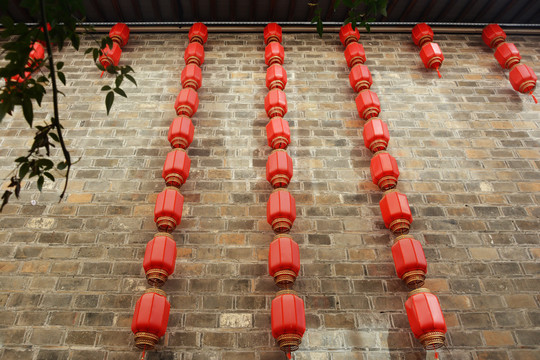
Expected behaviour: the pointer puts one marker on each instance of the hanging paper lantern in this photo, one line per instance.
(176, 168)
(523, 78)
(279, 168)
(36, 56)
(426, 318)
(493, 35)
(432, 56)
(355, 54)
(150, 318)
(168, 209)
(281, 211)
(187, 102)
(274, 53)
(191, 77)
(278, 133)
(275, 103)
(396, 212)
(376, 135)
(159, 259)
(284, 260)
(181, 132)
(110, 56)
(360, 78)
(276, 77)
(384, 170)
(42, 34)
(272, 33)
(194, 54)
(119, 33)
(410, 261)
(347, 35)
(288, 321)
(507, 55)
(198, 33)
(421, 34)
(368, 104)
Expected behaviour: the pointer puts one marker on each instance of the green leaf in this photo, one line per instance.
(21, 159)
(49, 175)
(40, 182)
(88, 51)
(54, 136)
(119, 80)
(62, 77)
(45, 163)
(120, 92)
(23, 170)
(95, 54)
(75, 41)
(106, 88)
(109, 101)
(131, 78)
(5, 199)
(61, 166)
(27, 110)
(59, 65)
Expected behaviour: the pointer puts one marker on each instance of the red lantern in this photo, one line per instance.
(176, 168)
(274, 54)
(168, 209)
(279, 168)
(275, 103)
(36, 56)
(432, 56)
(159, 259)
(272, 33)
(360, 78)
(426, 318)
(421, 34)
(198, 33)
(110, 57)
(18, 79)
(181, 132)
(376, 135)
(355, 54)
(347, 35)
(49, 28)
(396, 212)
(384, 170)
(523, 79)
(119, 34)
(410, 261)
(493, 35)
(281, 210)
(194, 54)
(368, 104)
(187, 102)
(507, 55)
(276, 77)
(150, 318)
(278, 133)
(284, 260)
(288, 321)
(191, 77)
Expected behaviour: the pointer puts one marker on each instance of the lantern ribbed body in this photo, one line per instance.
(355, 54)
(275, 103)
(523, 78)
(493, 35)
(278, 133)
(176, 168)
(347, 35)
(384, 171)
(272, 33)
(191, 77)
(194, 54)
(288, 321)
(198, 33)
(284, 260)
(279, 168)
(431, 55)
(181, 132)
(274, 53)
(367, 104)
(150, 319)
(119, 33)
(396, 212)
(276, 77)
(360, 78)
(159, 259)
(36, 56)
(507, 55)
(426, 318)
(187, 102)
(281, 210)
(110, 56)
(421, 34)
(168, 209)
(410, 261)
(376, 135)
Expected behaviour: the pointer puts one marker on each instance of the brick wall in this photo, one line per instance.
(468, 150)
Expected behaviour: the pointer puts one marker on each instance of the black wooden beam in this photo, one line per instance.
(232, 10)
(484, 10)
(195, 8)
(505, 10)
(213, 10)
(26, 13)
(272, 8)
(118, 10)
(520, 11)
(157, 10)
(466, 9)
(176, 5)
(330, 10)
(290, 11)
(99, 9)
(447, 9)
(390, 9)
(252, 9)
(427, 10)
(408, 10)
(137, 7)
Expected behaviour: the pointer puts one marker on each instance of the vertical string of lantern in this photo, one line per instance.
(430, 52)
(522, 77)
(423, 309)
(287, 312)
(119, 34)
(152, 309)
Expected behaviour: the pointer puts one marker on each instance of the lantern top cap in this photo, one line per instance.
(155, 291)
(406, 236)
(279, 236)
(178, 149)
(172, 188)
(286, 292)
(278, 150)
(389, 191)
(419, 291)
(280, 189)
(163, 234)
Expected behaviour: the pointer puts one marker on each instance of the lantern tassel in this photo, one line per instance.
(143, 353)
(534, 97)
(436, 355)
(289, 355)
(102, 73)
(438, 72)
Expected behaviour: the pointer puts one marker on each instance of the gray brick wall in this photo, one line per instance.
(468, 150)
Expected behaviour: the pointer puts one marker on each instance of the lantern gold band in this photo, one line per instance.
(272, 38)
(370, 112)
(117, 39)
(275, 60)
(184, 110)
(361, 85)
(406, 236)
(197, 39)
(284, 278)
(510, 63)
(357, 60)
(191, 84)
(281, 225)
(145, 340)
(289, 342)
(277, 236)
(156, 277)
(175, 180)
(387, 182)
(350, 39)
(193, 60)
(499, 40)
(414, 279)
(432, 340)
(277, 84)
(400, 226)
(286, 292)
(527, 86)
(434, 62)
(276, 111)
(418, 291)
(178, 141)
(280, 180)
(107, 60)
(280, 142)
(166, 223)
(425, 39)
(378, 145)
